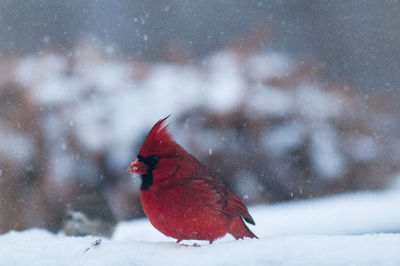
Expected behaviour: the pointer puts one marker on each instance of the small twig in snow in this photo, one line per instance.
(95, 243)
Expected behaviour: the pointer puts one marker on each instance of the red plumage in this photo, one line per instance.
(181, 197)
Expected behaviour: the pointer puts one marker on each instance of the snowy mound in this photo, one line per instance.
(328, 231)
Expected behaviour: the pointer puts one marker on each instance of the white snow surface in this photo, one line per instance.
(341, 230)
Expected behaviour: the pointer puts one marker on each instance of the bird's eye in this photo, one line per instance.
(150, 161)
(153, 160)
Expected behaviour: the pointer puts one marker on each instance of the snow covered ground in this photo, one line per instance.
(350, 229)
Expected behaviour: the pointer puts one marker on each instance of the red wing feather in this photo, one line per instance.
(228, 201)
(235, 206)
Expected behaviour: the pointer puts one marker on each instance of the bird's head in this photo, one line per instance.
(158, 157)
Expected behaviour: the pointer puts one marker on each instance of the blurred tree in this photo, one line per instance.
(352, 40)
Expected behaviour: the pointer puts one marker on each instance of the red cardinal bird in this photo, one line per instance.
(180, 196)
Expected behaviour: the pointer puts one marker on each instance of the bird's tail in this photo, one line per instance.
(239, 229)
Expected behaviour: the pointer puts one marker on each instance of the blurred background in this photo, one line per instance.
(283, 100)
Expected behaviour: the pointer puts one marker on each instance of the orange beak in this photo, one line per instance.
(137, 167)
